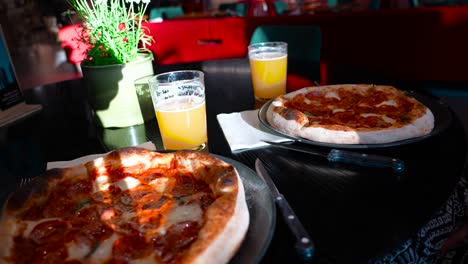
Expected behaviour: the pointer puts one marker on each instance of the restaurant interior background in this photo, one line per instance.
(425, 45)
(424, 41)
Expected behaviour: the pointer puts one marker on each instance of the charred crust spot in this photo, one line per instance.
(289, 114)
(227, 181)
(294, 115)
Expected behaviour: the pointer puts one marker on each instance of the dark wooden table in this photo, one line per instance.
(352, 213)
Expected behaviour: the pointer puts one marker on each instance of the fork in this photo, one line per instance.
(25, 181)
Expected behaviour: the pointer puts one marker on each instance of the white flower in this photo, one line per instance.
(138, 1)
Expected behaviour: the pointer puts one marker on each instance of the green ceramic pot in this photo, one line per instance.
(112, 94)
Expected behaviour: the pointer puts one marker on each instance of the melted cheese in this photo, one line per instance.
(385, 118)
(77, 251)
(104, 250)
(388, 119)
(332, 95)
(101, 184)
(128, 215)
(178, 214)
(127, 183)
(135, 160)
(159, 184)
(388, 102)
(336, 110)
(277, 103)
(369, 114)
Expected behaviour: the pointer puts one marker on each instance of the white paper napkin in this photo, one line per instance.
(243, 131)
(70, 163)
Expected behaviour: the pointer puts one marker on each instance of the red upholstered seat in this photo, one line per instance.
(295, 82)
(69, 37)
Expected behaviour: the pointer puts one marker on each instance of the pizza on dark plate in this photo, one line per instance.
(129, 206)
(350, 114)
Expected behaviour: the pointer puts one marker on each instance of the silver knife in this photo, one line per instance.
(304, 244)
(345, 156)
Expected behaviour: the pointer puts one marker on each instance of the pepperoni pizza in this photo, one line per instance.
(130, 206)
(350, 114)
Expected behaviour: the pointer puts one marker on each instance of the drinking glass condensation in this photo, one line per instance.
(268, 64)
(179, 103)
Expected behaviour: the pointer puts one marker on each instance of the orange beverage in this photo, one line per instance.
(179, 103)
(269, 74)
(268, 65)
(182, 123)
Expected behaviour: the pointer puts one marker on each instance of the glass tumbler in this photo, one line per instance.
(179, 103)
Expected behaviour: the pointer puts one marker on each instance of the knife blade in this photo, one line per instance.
(304, 244)
(346, 156)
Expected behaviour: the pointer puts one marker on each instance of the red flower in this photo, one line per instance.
(121, 26)
(125, 40)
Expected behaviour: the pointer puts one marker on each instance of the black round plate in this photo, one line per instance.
(442, 118)
(262, 212)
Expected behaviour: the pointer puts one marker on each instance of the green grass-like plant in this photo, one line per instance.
(112, 30)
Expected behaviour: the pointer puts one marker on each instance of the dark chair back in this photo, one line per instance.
(167, 12)
(238, 9)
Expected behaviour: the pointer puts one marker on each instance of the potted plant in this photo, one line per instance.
(115, 57)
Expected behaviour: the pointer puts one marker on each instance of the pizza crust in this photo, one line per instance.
(420, 127)
(295, 123)
(227, 242)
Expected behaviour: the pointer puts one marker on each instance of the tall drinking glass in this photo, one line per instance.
(268, 64)
(179, 103)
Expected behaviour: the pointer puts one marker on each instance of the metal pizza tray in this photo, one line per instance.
(442, 118)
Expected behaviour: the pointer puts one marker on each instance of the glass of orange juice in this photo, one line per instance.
(179, 103)
(268, 65)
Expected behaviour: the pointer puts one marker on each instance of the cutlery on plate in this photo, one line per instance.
(304, 244)
(346, 156)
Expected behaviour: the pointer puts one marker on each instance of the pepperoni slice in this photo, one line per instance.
(374, 121)
(131, 247)
(182, 234)
(34, 213)
(154, 201)
(204, 199)
(49, 232)
(184, 186)
(59, 205)
(41, 254)
(79, 189)
(345, 116)
(90, 226)
(177, 238)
